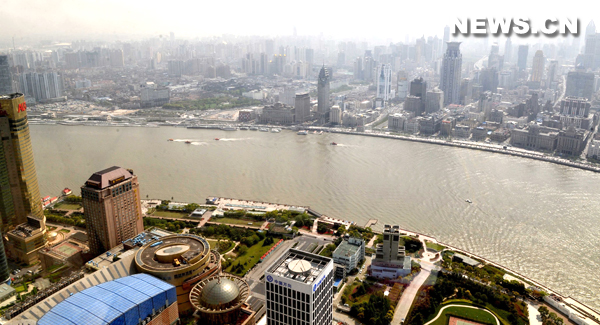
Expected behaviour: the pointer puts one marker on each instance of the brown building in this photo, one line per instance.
(25, 241)
(112, 208)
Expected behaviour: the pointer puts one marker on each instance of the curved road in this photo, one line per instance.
(440, 313)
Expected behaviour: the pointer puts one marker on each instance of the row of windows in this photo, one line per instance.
(271, 287)
(273, 300)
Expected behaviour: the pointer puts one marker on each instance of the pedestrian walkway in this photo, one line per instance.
(464, 306)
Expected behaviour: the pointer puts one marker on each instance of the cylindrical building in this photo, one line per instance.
(181, 260)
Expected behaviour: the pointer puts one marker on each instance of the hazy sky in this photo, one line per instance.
(385, 20)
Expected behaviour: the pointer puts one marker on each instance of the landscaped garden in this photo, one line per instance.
(477, 315)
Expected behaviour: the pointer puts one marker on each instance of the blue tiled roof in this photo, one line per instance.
(122, 301)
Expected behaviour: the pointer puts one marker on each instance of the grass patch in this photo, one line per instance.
(251, 257)
(238, 221)
(224, 249)
(170, 214)
(435, 246)
(66, 231)
(477, 315)
(67, 206)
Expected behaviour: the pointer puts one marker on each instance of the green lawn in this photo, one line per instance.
(66, 231)
(435, 246)
(238, 221)
(476, 315)
(67, 206)
(170, 214)
(252, 257)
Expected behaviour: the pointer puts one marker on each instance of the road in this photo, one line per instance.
(408, 296)
(433, 320)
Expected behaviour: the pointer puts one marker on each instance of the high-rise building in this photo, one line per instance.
(451, 73)
(112, 208)
(592, 51)
(302, 107)
(522, 57)
(4, 272)
(384, 82)
(580, 84)
(323, 96)
(508, 50)
(335, 115)
(435, 100)
(20, 205)
(402, 84)
(390, 260)
(41, 86)
(299, 289)
(6, 86)
(446, 38)
(538, 66)
(590, 30)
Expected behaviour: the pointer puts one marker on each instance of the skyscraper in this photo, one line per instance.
(18, 159)
(4, 273)
(446, 38)
(451, 73)
(323, 96)
(522, 57)
(302, 107)
(384, 82)
(5, 76)
(580, 84)
(508, 50)
(41, 86)
(538, 66)
(299, 289)
(23, 220)
(111, 203)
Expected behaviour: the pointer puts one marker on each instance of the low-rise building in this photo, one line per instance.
(350, 253)
(571, 141)
(460, 258)
(535, 137)
(25, 241)
(277, 113)
(462, 131)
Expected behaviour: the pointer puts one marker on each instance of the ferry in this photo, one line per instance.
(253, 128)
(333, 144)
(170, 140)
(302, 132)
(263, 129)
(468, 201)
(275, 130)
(188, 142)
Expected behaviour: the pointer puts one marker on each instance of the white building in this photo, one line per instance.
(349, 253)
(42, 86)
(151, 95)
(402, 84)
(384, 82)
(299, 289)
(594, 149)
(335, 115)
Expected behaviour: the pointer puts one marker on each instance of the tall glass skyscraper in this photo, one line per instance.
(451, 73)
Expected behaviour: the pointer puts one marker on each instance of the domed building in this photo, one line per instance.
(221, 300)
(181, 260)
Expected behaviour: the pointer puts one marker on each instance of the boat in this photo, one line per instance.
(229, 128)
(170, 140)
(263, 129)
(275, 130)
(320, 132)
(302, 132)
(188, 142)
(253, 128)
(217, 139)
(333, 144)
(315, 132)
(243, 128)
(468, 201)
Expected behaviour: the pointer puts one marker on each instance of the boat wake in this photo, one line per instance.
(191, 141)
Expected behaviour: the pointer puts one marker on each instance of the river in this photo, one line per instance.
(537, 218)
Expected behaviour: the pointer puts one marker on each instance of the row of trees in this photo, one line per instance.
(75, 219)
(170, 225)
(376, 311)
(73, 199)
(549, 318)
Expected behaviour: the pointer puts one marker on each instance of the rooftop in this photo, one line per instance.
(294, 264)
(191, 246)
(346, 249)
(109, 177)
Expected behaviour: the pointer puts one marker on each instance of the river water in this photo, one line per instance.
(537, 218)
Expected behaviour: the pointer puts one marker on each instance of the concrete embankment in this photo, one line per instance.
(489, 148)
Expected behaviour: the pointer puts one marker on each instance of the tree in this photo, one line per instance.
(242, 249)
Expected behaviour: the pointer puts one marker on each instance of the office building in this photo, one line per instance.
(451, 73)
(580, 84)
(323, 96)
(434, 101)
(135, 299)
(571, 141)
(390, 260)
(402, 84)
(302, 107)
(592, 51)
(350, 252)
(384, 82)
(6, 86)
(17, 164)
(4, 272)
(220, 300)
(180, 260)
(535, 137)
(151, 95)
(277, 113)
(112, 208)
(176, 68)
(522, 57)
(299, 289)
(446, 38)
(537, 72)
(508, 50)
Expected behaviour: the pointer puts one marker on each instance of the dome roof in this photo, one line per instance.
(220, 291)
